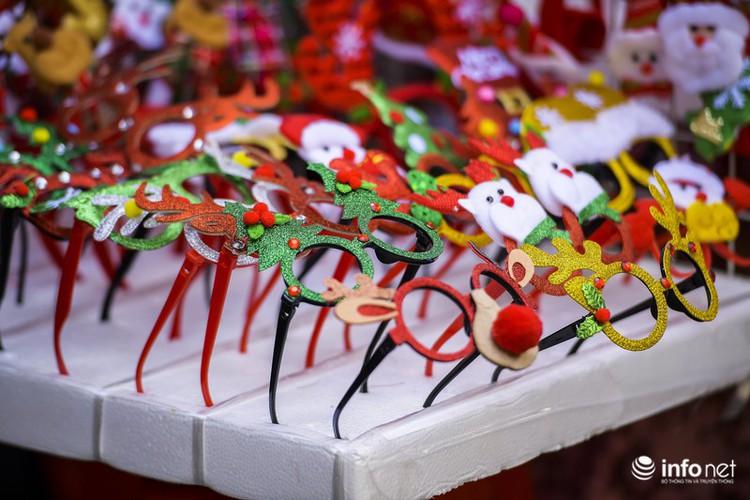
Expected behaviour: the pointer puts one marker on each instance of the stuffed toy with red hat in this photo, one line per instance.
(321, 140)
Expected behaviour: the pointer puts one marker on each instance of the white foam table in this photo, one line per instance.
(392, 448)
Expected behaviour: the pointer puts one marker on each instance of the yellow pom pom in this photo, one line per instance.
(40, 135)
(597, 78)
(244, 160)
(132, 210)
(488, 128)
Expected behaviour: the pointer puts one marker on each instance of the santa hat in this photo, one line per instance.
(293, 126)
(683, 14)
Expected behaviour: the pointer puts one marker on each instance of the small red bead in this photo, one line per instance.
(363, 238)
(293, 243)
(355, 182)
(712, 275)
(343, 176)
(375, 207)
(396, 117)
(602, 315)
(294, 291)
(692, 247)
(671, 249)
(627, 266)
(430, 225)
(267, 219)
(21, 189)
(666, 283)
(599, 283)
(701, 197)
(250, 218)
(28, 115)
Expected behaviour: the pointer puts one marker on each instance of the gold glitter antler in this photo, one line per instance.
(567, 260)
(669, 217)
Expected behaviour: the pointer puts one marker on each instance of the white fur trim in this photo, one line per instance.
(613, 131)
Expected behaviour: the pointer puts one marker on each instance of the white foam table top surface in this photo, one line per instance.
(392, 448)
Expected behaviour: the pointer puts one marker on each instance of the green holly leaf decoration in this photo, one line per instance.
(282, 219)
(343, 188)
(588, 328)
(237, 210)
(593, 298)
(421, 182)
(427, 215)
(255, 231)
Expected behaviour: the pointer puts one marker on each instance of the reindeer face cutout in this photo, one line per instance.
(141, 21)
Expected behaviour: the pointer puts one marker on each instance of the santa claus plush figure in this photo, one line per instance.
(321, 140)
(704, 45)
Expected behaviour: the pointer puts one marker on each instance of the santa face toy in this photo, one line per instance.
(321, 140)
(636, 58)
(704, 45)
(141, 21)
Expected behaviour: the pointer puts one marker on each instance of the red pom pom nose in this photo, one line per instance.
(699, 40)
(646, 69)
(507, 200)
(516, 329)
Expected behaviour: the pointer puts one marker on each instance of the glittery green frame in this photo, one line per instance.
(365, 205)
(173, 175)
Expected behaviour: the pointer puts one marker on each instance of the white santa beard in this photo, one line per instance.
(716, 65)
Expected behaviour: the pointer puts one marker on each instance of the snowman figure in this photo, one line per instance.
(322, 140)
(636, 58)
(557, 184)
(502, 212)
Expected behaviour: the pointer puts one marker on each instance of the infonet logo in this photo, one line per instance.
(684, 472)
(643, 468)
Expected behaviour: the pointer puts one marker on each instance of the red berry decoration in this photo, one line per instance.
(671, 249)
(28, 115)
(666, 283)
(260, 207)
(267, 219)
(293, 243)
(293, 291)
(21, 189)
(363, 238)
(396, 117)
(599, 283)
(355, 182)
(627, 266)
(692, 247)
(516, 329)
(251, 217)
(375, 207)
(343, 176)
(602, 315)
